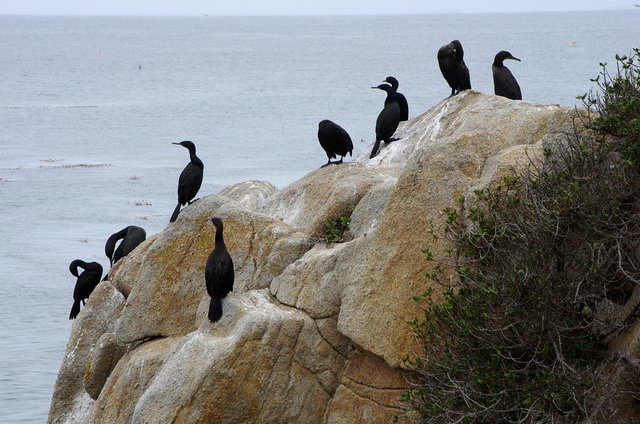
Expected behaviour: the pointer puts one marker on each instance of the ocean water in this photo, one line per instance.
(89, 107)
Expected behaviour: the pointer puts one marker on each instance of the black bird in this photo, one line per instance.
(504, 82)
(86, 282)
(453, 68)
(334, 140)
(402, 101)
(218, 273)
(388, 119)
(190, 179)
(131, 237)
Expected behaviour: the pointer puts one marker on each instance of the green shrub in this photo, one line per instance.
(523, 336)
(617, 103)
(335, 228)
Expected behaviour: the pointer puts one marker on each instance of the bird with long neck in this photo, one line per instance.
(388, 119)
(453, 68)
(218, 273)
(190, 179)
(131, 237)
(400, 98)
(504, 82)
(85, 284)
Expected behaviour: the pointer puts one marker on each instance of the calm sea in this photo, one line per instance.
(89, 107)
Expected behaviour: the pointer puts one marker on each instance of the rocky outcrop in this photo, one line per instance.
(313, 332)
(70, 402)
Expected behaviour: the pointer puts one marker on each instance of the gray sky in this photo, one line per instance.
(296, 7)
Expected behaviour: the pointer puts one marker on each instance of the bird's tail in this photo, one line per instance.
(374, 152)
(75, 309)
(176, 211)
(215, 309)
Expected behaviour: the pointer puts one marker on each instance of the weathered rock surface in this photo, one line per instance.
(70, 402)
(105, 356)
(324, 194)
(169, 286)
(313, 332)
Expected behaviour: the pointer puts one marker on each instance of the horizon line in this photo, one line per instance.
(257, 15)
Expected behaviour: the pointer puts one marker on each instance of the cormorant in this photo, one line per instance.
(504, 82)
(453, 68)
(131, 237)
(87, 281)
(190, 179)
(334, 140)
(388, 119)
(402, 101)
(218, 273)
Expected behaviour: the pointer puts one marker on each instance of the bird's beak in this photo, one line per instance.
(175, 143)
(515, 58)
(374, 87)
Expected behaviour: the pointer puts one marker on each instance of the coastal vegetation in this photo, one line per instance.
(545, 264)
(336, 228)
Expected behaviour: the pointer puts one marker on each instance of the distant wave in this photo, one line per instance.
(50, 106)
(77, 165)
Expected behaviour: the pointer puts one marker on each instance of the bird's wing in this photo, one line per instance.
(189, 182)
(218, 270)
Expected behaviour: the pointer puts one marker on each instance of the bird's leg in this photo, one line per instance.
(188, 203)
(83, 302)
(328, 162)
(331, 163)
(392, 139)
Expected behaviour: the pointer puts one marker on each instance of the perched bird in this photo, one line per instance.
(131, 237)
(190, 179)
(504, 82)
(218, 273)
(86, 282)
(334, 140)
(453, 68)
(402, 101)
(388, 119)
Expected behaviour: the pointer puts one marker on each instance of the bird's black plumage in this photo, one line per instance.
(504, 82)
(388, 119)
(218, 273)
(453, 68)
(131, 237)
(190, 179)
(401, 99)
(334, 140)
(86, 282)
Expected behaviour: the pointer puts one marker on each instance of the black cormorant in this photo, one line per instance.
(453, 68)
(190, 179)
(86, 282)
(402, 101)
(334, 140)
(388, 119)
(504, 82)
(131, 237)
(218, 273)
